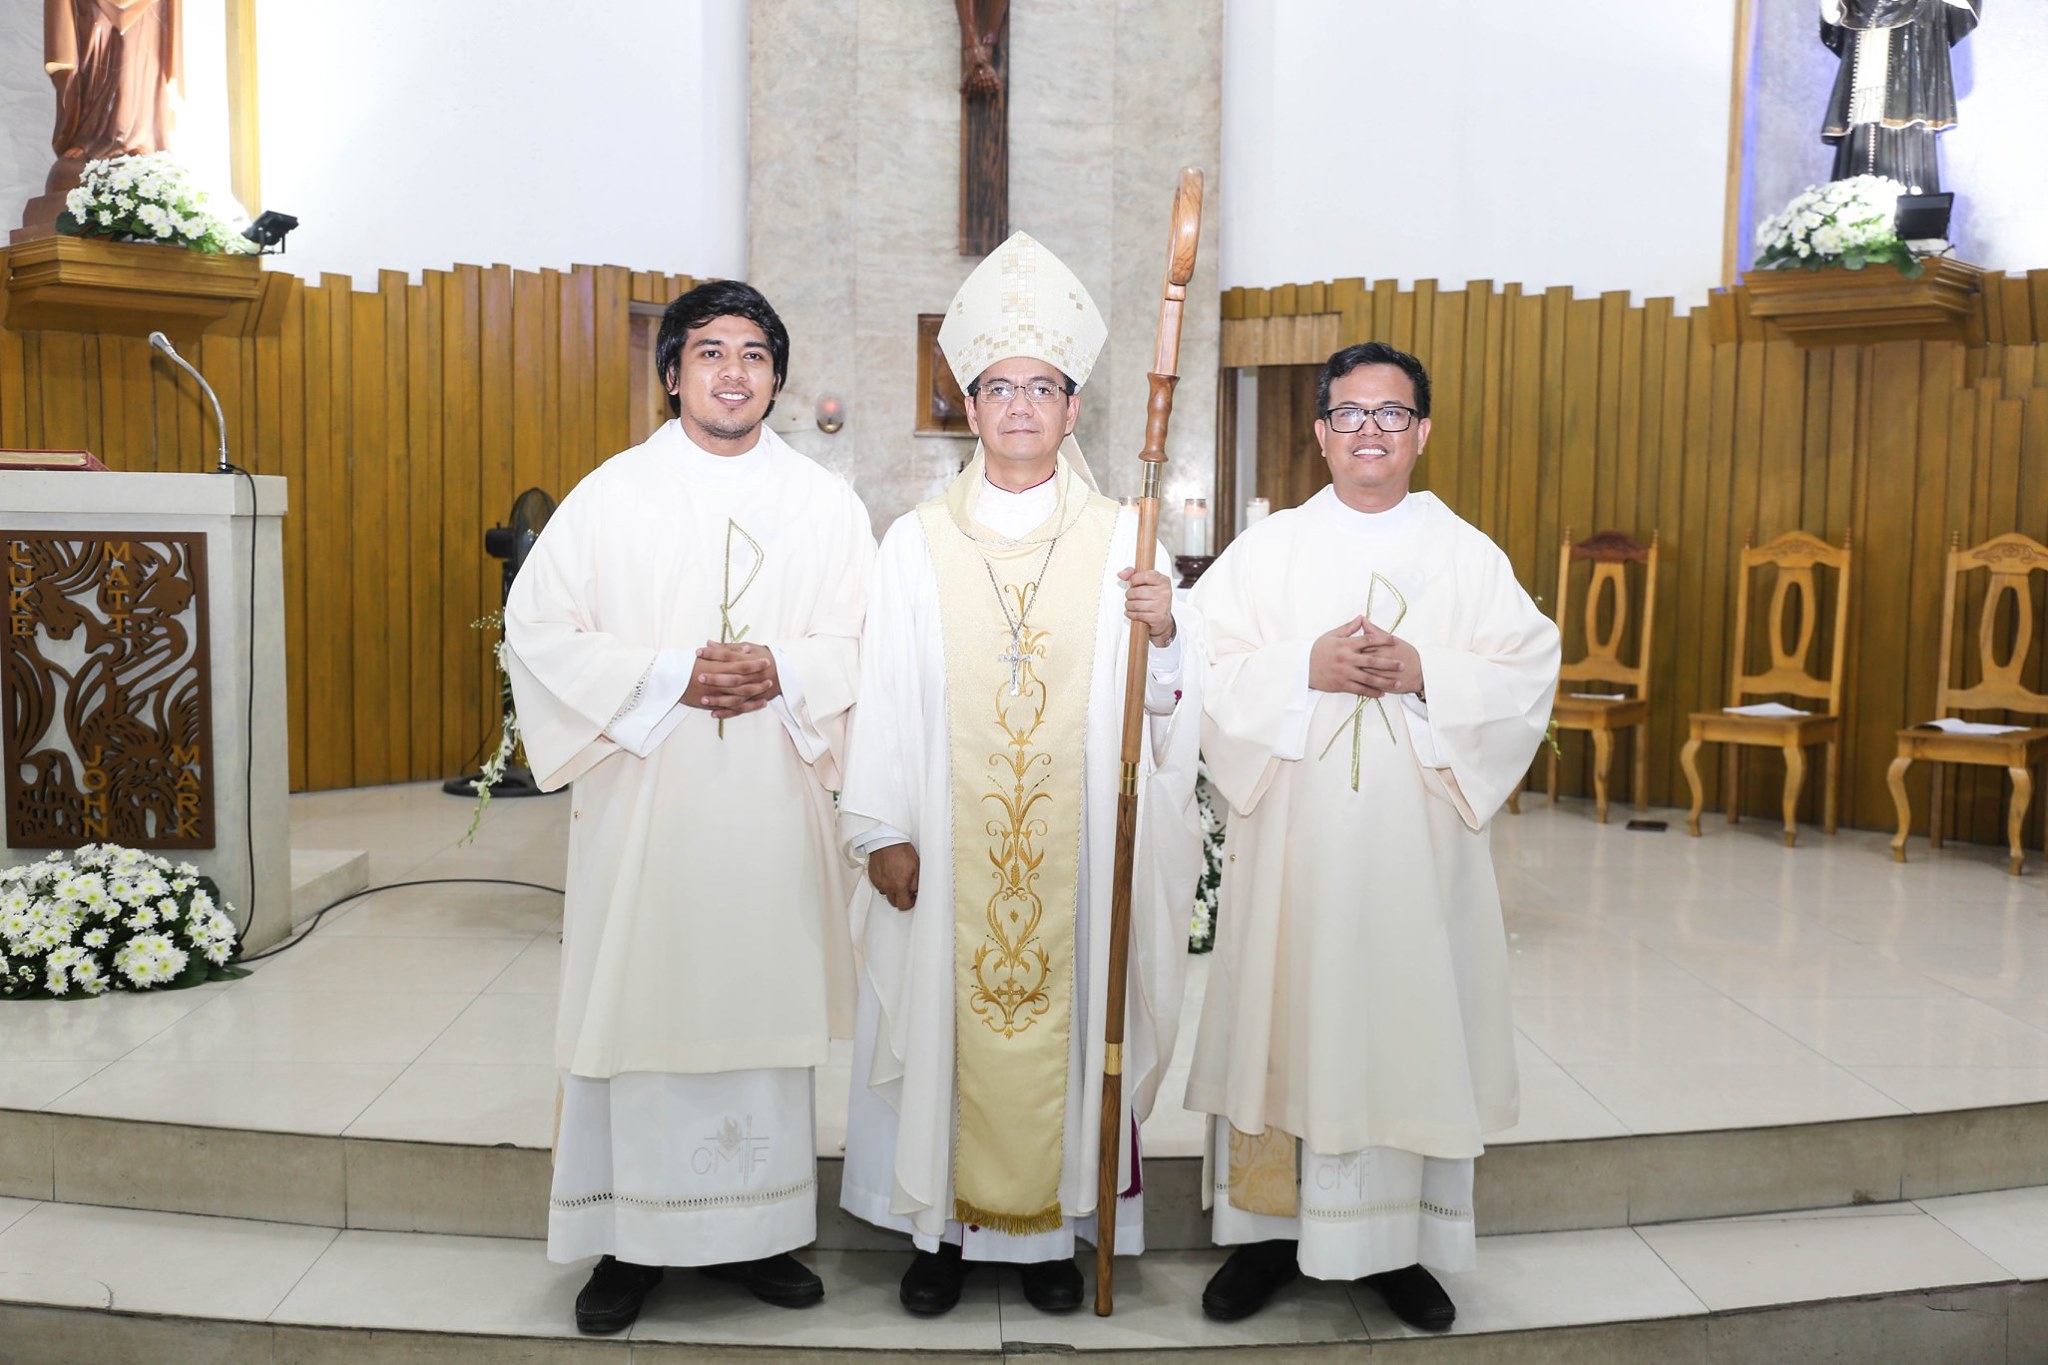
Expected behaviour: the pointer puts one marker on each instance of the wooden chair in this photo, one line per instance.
(2011, 561)
(1795, 556)
(1575, 708)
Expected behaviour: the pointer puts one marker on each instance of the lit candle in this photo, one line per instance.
(1194, 537)
(1255, 511)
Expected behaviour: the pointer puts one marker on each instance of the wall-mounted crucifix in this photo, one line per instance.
(984, 125)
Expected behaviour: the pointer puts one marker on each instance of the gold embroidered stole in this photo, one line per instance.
(1263, 1178)
(1017, 767)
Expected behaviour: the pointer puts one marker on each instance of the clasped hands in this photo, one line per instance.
(1360, 658)
(731, 680)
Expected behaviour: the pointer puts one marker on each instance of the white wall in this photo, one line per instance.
(409, 135)
(28, 110)
(1579, 144)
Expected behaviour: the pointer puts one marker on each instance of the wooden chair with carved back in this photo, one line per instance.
(2010, 561)
(1586, 701)
(1796, 558)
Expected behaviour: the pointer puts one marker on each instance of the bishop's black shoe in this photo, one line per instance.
(782, 1280)
(1415, 1297)
(1254, 1272)
(612, 1298)
(932, 1284)
(1053, 1286)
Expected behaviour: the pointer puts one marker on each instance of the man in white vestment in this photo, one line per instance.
(683, 646)
(981, 791)
(1377, 683)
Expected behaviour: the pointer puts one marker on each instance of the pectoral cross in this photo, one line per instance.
(1016, 659)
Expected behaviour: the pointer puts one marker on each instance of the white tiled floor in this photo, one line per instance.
(1661, 983)
(281, 1273)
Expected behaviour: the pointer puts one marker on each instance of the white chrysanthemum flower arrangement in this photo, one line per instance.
(1849, 223)
(149, 198)
(105, 918)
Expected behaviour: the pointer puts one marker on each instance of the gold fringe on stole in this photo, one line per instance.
(1009, 1224)
(1017, 769)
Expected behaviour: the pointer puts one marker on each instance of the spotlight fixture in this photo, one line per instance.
(1924, 217)
(269, 229)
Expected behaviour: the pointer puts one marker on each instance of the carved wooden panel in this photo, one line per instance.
(106, 689)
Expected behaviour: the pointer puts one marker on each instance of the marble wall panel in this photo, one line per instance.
(855, 126)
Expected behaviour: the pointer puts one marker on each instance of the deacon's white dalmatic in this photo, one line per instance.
(1358, 994)
(705, 957)
(988, 734)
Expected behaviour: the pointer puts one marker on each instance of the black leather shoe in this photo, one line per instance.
(1053, 1286)
(612, 1298)
(782, 1280)
(932, 1284)
(1254, 1272)
(1415, 1297)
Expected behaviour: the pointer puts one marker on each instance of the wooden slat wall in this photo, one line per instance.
(1555, 412)
(405, 422)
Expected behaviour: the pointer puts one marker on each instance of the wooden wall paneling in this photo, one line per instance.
(1384, 293)
(1443, 354)
(1932, 522)
(552, 462)
(63, 391)
(358, 321)
(1607, 383)
(282, 363)
(13, 391)
(579, 349)
(614, 415)
(471, 716)
(492, 498)
(1352, 304)
(1628, 421)
(529, 332)
(330, 738)
(1575, 458)
(1701, 677)
(430, 756)
(1478, 406)
(394, 458)
(1525, 420)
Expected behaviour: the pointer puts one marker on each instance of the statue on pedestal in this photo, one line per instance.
(113, 63)
(1896, 91)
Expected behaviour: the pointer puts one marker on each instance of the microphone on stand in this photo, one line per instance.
(163, 343)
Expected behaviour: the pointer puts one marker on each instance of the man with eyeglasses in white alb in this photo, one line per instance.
(1376, 684)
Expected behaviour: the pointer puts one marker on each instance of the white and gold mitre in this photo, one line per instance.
(1022, 301)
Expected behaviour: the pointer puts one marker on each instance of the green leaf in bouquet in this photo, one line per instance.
(214, 973)
(68, 224)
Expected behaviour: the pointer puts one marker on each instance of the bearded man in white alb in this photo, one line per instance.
(683, 646)
(981, 790)
(1377, 683)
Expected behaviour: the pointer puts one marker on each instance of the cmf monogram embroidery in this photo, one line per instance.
(733, 1149)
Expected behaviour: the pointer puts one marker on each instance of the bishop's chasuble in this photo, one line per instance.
(1355, 1040)
(705, 957)
(988, 734)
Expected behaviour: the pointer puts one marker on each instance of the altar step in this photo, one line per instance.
(1957, 1280)
(401, 1186)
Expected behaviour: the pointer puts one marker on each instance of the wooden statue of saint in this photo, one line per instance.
(984, 124)
(113, 63)
(1896, 90)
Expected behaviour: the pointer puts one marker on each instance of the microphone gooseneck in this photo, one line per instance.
(220, 424)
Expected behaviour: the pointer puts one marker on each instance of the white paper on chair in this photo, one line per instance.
(1953, 726)
(1765, 708)
(1599, 696)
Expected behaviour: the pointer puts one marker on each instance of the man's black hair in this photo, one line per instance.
(1371, 353)
(718, 299)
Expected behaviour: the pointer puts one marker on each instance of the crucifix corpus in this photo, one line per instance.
(984, 124)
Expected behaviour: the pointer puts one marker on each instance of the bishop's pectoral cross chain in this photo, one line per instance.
(1027, 596)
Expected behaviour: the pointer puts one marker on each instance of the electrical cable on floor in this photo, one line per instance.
(249, 721)
(314, 923)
